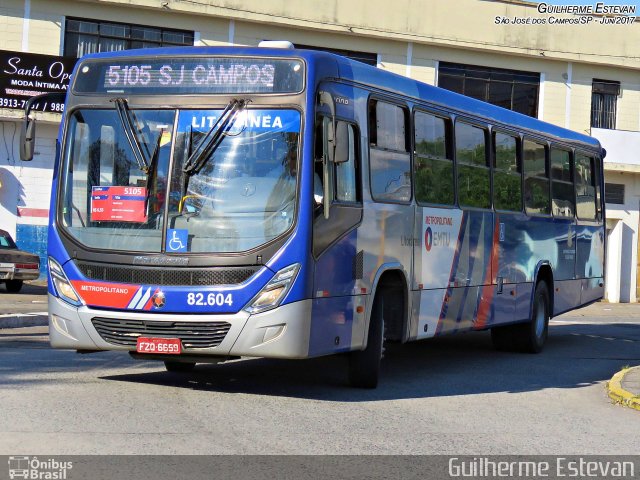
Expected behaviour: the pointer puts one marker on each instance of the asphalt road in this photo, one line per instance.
(32, 298)
(454, 395)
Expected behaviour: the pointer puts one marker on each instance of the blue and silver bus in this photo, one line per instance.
(215, 203)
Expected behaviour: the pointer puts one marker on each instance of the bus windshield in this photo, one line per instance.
(241, 195)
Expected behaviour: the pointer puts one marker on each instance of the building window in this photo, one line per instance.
(614, 193)
(364, 57)
(512, 89)
(91, 36)
(604, 97)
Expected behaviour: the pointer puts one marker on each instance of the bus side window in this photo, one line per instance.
(536, 178)
(562, 196)
(585, 187)
(474, 184)
(433, 164)
(346, 188)
(598, 179)
(82, 168)
(507, 176)
(390, 162)
(107, 154)
(317, 163)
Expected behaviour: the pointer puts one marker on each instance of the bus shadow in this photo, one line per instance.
(464, 364)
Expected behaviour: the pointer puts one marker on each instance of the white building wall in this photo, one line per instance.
(622, 253)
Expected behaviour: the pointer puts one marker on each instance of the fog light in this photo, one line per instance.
(270, 333)
(60, 324)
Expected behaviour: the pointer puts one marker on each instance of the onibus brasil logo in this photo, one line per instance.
(33, 468)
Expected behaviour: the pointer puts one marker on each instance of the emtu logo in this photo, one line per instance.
(428, 239)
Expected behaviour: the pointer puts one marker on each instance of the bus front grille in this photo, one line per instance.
(192, 334)
(166, 276)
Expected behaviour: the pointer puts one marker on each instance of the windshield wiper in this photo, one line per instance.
(210, 142)
(126, 118)
(152, 170)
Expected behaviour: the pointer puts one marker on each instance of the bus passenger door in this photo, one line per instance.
(338, 271)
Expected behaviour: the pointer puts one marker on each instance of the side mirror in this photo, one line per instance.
(28, 131)
(27, 139)
(341, 154)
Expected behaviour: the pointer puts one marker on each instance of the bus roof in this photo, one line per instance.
(366, 75)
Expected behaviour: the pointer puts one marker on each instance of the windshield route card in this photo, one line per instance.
(118, 204)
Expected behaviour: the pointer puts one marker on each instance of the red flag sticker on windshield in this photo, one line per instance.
(118, 204)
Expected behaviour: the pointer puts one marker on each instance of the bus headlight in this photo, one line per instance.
(274, 292)
(61, 284)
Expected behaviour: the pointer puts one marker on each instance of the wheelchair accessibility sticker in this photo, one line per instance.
(177, 239)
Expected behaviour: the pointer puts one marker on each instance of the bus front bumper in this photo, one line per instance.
(279, 333)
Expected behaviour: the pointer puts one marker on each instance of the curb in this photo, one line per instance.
(619, 394)
(21, 320)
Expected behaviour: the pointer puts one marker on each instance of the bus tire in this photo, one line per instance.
(534, 333)
(14, 286)
(178, 366)
(364, 365)
(531, 336)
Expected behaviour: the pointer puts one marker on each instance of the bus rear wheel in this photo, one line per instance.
(531, 336)
(364, 365)
(172, 366)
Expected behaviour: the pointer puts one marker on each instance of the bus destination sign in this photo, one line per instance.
(190, 76)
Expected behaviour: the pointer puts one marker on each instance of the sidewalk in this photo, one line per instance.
(606, 309)
(19, 320)
(624, 387)
(25, 309)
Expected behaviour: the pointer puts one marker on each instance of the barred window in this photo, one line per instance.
(604, 99)
(614, 193)
(364, 57)
(91, 36)
(513, 89)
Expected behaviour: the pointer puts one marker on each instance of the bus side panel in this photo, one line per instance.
(528, 242)
(332, 324)
(566, 295)
(338, 274)
(590, 261)
(454, 269)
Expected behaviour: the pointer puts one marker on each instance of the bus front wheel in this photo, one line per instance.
(531, 336)
(364, 365)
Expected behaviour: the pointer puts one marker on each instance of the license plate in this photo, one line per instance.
(168, 346)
